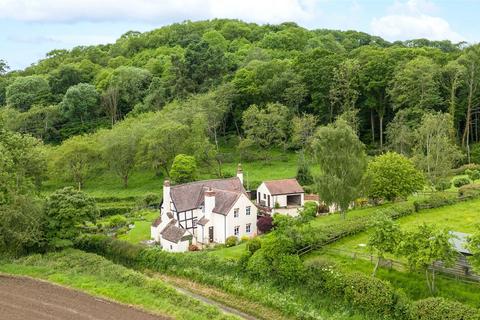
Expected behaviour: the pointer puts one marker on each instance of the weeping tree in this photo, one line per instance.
(343, 162)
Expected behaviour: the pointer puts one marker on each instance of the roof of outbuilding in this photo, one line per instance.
(285, 186)
(459, 242)
(190, 196)
(173, 233)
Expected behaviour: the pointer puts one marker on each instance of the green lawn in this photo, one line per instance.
(143, 181)
(460, 217)
(141, 231)
(412, 283)
(100, 277)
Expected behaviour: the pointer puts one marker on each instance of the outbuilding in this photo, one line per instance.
(285, 193)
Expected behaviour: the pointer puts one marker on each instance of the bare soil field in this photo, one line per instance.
(28, 299)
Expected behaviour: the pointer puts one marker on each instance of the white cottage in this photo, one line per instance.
(204, 212)
(280, 194)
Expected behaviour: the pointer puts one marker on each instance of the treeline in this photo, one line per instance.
(320, 72)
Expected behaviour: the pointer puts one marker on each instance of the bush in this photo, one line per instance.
(244, 238)
(443, 184)
(473, 174)
(461, 181)
(309, 211)
(469, 191)
(462, 169)
(148, 200)
(117, 221)
(253, 245)
(440, 309)
(370, 295)
(435, 201)
(265, 224)
(231, 241)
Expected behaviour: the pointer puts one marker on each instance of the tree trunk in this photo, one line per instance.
(376, 267)
(381, 130)
(372, 125)
(466, 132)
(125, 181)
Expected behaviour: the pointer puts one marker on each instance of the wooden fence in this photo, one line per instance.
(458, 271)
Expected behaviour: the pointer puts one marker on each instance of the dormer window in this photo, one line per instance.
(235, 212)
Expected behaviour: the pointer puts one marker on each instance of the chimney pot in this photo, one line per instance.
(166, 183)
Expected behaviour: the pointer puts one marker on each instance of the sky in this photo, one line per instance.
(31, 28)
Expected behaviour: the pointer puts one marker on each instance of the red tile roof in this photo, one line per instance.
(285, 186)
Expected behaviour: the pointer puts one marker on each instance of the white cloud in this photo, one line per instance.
(413, 19)
(273, 11)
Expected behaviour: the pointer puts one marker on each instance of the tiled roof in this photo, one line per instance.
(224, 201)
(203, 221)
(459, 241)
(285, 186)
(173, 233)
(190, 196)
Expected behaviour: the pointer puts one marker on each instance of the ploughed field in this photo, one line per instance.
(28, 299)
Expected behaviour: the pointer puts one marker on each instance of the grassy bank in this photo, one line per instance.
(98, 276)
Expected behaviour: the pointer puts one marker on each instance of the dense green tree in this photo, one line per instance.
(24, 92)
(435, 151)
(184, 169)
(384, 239)
(162, 143)
(392, 176)
(76, 158)
(303, 128)
(425, 246)
(342, 159)
(304, 175)
(3, 67)
(66, 211)
(120, 146)
(267, 127)
(63, 78)
(416, 84)
(474, 248)
(344, 90)
(132, 84)
(80, 102)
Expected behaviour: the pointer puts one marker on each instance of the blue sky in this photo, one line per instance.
(31, 28)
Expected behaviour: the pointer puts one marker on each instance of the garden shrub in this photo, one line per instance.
(309, 210)
(469, 191)
(244, 238)
(435, 201)
(473, 174)
(265, 224)
(443, 309)
(461, 181)
(149, 200)
(462, 169)
(117, 221)
(253, 245)
(231, 241)
(443, 185)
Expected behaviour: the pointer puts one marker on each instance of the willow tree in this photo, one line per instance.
(343, 162)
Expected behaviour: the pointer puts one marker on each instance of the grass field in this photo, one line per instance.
(141, 231)
(97, 276)
(460, 217)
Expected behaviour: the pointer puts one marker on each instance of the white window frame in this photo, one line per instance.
(236, 212)
(248, 210)
(248, 228)
(236, 231)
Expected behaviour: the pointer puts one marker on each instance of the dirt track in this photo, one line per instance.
(28, 299)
